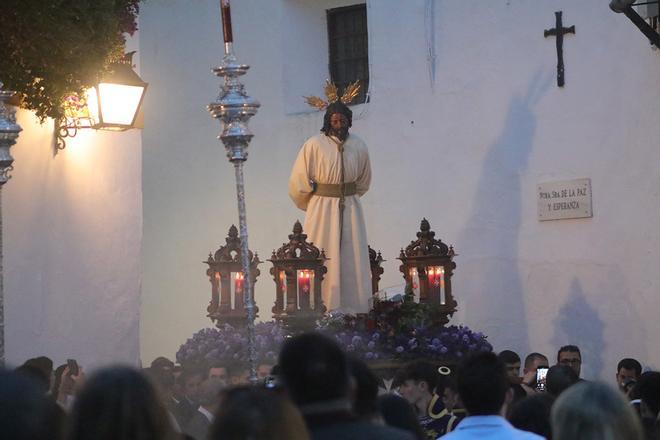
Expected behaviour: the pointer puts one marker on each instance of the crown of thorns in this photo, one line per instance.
(331, 92)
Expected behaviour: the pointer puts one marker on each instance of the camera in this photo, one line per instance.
(541, 375)
(270, 382)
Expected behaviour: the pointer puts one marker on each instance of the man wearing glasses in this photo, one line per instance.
(570, 356)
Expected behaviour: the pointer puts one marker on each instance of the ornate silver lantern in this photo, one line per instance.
(298, 271)
(427, 266)
(227, 279)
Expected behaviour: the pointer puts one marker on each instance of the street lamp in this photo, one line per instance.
(113, 104)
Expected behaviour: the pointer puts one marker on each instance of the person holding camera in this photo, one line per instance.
(69, 378)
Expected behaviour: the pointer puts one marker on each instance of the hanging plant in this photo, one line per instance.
(57, 48)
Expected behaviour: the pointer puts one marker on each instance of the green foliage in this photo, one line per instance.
(50, 49)
(407, 315)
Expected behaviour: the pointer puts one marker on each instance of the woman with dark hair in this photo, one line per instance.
(532, 414)
(248, 413)
(26, 413)
(399, 413)
(119, 403)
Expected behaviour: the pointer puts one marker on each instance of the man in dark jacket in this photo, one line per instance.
(315, 373)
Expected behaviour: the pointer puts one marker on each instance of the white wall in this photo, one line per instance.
(72, 228)
(466, 152)
(72, 231)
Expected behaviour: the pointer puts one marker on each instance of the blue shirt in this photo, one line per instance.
(488, 428)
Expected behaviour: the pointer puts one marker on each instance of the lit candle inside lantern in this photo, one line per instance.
(226, 21)
(436, 280)
(238, 284)
(304, 282)
(239, 299)
(434, 276)
(414, 279)
(282, 281)
(304, 289)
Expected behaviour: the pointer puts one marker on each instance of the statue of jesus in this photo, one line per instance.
(331, 173)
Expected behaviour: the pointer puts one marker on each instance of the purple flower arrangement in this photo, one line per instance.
(350, 334)
(228, 345)
(400, 330)
(450, 342)
(393, 330)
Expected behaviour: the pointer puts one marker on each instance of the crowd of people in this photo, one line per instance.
(317, 391)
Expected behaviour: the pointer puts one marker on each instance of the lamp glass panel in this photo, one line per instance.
(306, 287)
(282, 281)
(414, 279)
(92, 105)
(237, 288)
(119, 103)
(436, 278)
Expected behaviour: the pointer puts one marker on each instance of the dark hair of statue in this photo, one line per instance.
(336, 107)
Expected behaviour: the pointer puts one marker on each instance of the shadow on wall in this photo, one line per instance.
(493, 299)
(578, 323)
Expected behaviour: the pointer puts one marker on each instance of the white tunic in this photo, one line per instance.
(347, 284)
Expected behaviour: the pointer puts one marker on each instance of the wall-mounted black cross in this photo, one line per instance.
(559, 32)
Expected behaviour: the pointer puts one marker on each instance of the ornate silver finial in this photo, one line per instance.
(235, 108)
(9, 131)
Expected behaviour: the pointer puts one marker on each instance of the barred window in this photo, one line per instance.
(348, 47)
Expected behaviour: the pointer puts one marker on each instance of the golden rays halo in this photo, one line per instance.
(332, 95)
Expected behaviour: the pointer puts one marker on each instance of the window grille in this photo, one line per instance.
(348, 47)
